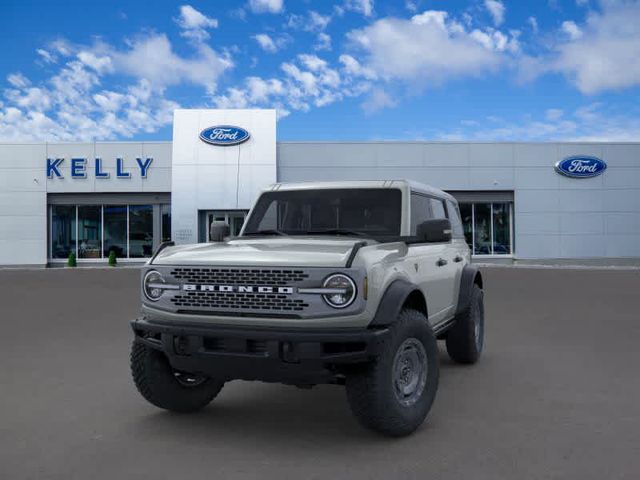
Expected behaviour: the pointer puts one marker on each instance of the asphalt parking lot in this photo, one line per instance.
(556, 395)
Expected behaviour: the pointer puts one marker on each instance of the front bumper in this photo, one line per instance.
(286, 355)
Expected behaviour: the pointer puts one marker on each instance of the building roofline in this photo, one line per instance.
(346, 142)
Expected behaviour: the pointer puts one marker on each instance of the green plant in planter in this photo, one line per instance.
(112, 258)
(71, 261)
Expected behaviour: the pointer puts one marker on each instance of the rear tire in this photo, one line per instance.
(394, 394)
(465, 339)
(165, 388)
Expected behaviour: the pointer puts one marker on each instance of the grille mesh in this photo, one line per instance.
(233, 276)
(238, 301)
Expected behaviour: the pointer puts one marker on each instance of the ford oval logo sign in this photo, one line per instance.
(224, 135)
(581, 167)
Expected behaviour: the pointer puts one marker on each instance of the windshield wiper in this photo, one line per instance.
(265, 232)
(337, 231)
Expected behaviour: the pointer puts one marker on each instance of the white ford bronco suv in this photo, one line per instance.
(347, 283)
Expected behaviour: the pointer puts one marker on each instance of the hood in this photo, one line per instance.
(263, 251)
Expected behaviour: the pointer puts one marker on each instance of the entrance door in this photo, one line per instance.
(233, 218)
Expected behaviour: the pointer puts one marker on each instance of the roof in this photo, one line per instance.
(400, 184)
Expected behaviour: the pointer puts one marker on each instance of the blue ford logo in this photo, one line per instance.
(224, 135)
(581, 167)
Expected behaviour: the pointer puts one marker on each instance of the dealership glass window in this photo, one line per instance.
(501, 228)
(115, 230)
(63, 230)
(89, 231)
(488, 227)
(140, 231)
(482, 229)
(92, 231)
(165, 215)
(466, 214)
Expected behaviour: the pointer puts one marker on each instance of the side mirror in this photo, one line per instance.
(218, 231)
(435, 230)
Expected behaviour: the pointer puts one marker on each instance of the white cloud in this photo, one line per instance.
(317, 21)
(307, 81)
(194, 23)
(533, 22)
(430, 48)
(18, 80)
(266, 42)
(312, 22)
(100, 63)
(365, 7)
(270, 44)
(72, 104)
(266, 6)
(590, 123)
(496, 40)
(602, 54)
(323, 43)
(152, 58)
(497, 10)
(378, 100)
(571, 29)
(553, 114)
(47, 56)
(353, 68)
(411, 5)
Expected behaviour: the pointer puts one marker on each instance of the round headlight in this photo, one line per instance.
(345, 290)
(151, 285)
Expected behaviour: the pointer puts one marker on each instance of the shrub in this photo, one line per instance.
(112, 258)
(71, 262)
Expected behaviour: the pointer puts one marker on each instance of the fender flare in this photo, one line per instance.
(392, 302)
(470, 276)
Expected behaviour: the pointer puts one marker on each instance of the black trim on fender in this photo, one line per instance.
(392, 302)
(354, 251)
(467, 280)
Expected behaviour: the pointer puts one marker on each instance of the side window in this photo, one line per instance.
(437, 208)
(454, 217)
(420, 211)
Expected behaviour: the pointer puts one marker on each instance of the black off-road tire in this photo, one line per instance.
(371, 390)
(157, 382)
(464, 342)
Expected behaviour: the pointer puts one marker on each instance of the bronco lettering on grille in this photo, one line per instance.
(189, 287)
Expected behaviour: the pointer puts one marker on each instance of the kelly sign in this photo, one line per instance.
(78, 168)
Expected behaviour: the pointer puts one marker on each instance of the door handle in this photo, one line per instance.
(441, 262)
(457, 259)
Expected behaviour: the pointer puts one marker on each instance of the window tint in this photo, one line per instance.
(454, 217)
(420, 211)
(375, 212)
(437, 208)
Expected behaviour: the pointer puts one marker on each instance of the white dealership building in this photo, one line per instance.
(570, 202)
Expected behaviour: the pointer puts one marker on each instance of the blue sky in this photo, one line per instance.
(335, 70)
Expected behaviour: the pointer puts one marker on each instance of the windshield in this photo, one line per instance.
(367, 212)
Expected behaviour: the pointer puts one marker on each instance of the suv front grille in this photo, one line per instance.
(234, 276)
(239, 301)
